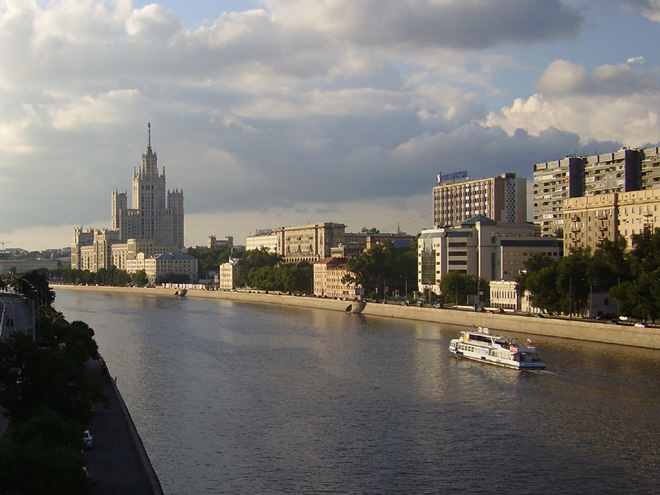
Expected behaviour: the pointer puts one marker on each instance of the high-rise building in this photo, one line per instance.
(157, 213)
(153, 226)
(502, 198)
(554, 183)
(558, 181)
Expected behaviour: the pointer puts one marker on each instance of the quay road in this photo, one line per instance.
(15, 314)
(117, 460)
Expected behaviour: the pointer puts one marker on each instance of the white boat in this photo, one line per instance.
(481, 345)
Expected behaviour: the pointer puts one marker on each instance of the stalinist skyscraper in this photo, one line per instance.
(157, 214)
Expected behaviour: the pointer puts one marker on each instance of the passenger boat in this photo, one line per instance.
(481, 345)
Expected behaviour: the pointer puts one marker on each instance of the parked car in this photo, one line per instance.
(88, 439)
(641, 324)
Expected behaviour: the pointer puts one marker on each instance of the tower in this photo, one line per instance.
(156, 213)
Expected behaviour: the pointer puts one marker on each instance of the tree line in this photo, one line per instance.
(630, 276)
(47, 395)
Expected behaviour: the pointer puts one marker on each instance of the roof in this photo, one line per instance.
(479, 218)
(169, 256)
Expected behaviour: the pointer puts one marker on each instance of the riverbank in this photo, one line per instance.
(505, 323)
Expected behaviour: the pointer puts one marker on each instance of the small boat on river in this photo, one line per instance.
(481, 345)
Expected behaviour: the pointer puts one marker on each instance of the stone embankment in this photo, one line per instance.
(504, 323)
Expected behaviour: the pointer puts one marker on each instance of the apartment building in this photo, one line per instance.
(591, 219)
(556, 183)
(328, 279)
(502, 198)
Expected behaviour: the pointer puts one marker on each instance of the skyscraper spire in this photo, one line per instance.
(149, 135)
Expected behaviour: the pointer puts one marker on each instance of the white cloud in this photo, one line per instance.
(618, 103)
(112, 107)
(285, 113)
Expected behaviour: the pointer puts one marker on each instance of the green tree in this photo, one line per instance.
(43, 456)
(383, 266)
(140, 278)
(255, 259)
(456, 286)
(50, 375)
(34, 285)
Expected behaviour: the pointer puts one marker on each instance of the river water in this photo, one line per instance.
(238, 398)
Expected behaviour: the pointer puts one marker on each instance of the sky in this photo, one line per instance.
(291, 112)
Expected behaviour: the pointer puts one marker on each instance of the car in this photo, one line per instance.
(641, 324)
(88, 440)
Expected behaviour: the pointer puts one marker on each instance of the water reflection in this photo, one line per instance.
(238, 398)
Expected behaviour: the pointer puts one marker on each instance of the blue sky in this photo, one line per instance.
(287, 112)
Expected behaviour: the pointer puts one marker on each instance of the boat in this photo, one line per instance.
(481, 345)
(181, 292)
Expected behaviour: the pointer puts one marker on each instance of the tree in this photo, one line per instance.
(50, 375)
(457, 286)
(383, 266)
(43, 456)
(255, 259)
(140, 278)
(34, 284)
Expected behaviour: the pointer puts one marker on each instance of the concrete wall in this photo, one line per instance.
(503, 323)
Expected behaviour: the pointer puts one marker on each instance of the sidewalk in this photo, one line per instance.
(117, 460)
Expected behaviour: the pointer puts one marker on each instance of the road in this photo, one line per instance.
(15, 314)
(117, 460)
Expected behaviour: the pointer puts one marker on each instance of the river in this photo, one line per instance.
(239, 398)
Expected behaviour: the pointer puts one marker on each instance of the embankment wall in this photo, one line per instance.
(552, 327)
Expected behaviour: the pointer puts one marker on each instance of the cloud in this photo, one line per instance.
(295, 112)
(431, 24)
(566, 78)
(617, 103)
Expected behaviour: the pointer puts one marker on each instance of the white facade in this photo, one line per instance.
(227, 276)
(482, 247)
(164, 264)
(265, 239)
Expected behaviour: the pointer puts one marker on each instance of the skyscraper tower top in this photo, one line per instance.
(149, 167)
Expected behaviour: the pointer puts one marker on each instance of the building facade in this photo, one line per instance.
(328, 279)
(262, 239)
(153, 226)
(355, 244)
(556, 183)
(503, 198)
(309, 243)
(227, 275)
(156, 212)
(482, 247)
(165, 264)
(21, 266)
(592, 219)
(213, 242)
